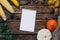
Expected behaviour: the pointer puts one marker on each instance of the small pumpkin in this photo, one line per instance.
(51, 24)
(44, 34)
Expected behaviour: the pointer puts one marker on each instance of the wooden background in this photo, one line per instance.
(43, 14)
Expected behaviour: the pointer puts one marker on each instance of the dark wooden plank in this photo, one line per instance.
(43, 14)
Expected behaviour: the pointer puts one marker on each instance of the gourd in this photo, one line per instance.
(51, 24)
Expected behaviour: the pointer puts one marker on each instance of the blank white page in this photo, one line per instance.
(28, 20)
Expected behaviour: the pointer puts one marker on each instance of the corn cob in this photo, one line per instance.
(15, 2)
(7, 5)
(2, 14)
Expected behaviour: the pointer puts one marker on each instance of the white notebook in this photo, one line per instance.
(28, 20)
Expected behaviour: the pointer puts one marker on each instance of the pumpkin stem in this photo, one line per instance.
(52, 27)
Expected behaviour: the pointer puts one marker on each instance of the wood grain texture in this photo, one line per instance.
(43, 14)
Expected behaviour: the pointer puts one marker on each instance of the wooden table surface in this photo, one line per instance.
(43, 14)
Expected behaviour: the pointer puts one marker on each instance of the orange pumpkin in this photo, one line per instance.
(51, 24)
